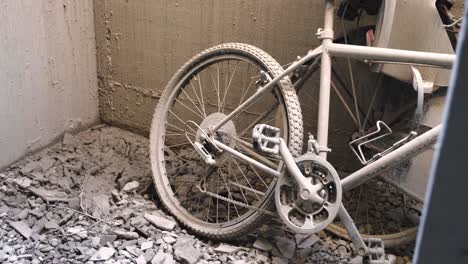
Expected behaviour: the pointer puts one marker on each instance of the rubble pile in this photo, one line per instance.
(85, 200)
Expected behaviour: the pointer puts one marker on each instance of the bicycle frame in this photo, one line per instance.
(370, 54)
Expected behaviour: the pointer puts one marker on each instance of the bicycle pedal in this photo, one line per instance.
(266, 138)
(376, 251)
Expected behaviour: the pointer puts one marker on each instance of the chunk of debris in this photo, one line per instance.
(131, 186)
(22, 182)
(279, 260)
(185, 252)
(49, 195)
(262, 258)
(103, 254)
(79, 231)
(22, 228)
(75, 203)
(146, 245)
(308, 241)
(140, 260)
(160, 222)
(149, 254)
(132, 249)
(30, 167)
(286, 246)
(51, 224)
(101, 206)
(126, 214)
(68, 139)
(227, 249)
(356, 260)
(126, 234)
(46, 163)
(104, 239)
(169, 239)
(162, 258)
(262, 244)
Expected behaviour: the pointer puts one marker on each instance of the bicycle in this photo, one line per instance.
(221, 184)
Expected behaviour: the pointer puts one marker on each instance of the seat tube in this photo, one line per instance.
(326, 34)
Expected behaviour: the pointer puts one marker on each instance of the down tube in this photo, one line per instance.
(405, 152)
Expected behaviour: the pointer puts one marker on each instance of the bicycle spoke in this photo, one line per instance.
(181, 167)
(188, 108)
(345, 104)
(228, 86)
(229, 180)
(371, 105)
(258, 175)
(245, 82)
(190, 99)
(177, 145)
(237, 181)
(245, 177)
(259, 118)
(201, 93)
(217, 199)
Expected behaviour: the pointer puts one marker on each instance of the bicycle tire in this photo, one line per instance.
(294, 127)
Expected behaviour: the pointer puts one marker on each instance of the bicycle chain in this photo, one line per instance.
(241, 204)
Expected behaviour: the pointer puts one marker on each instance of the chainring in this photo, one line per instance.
(305, 216)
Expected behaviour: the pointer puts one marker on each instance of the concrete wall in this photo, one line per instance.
(48, 78)
(141, 44)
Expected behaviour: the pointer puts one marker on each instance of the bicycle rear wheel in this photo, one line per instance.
(229, 199)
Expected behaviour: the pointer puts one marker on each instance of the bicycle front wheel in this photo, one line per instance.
(228, 199)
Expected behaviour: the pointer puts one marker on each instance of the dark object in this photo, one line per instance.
(350, 9)
(443, 7)
(442, 232)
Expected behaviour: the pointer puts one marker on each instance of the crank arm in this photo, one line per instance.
(352, 230)
(307, 190)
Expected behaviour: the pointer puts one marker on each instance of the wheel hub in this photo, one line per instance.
(226, 134)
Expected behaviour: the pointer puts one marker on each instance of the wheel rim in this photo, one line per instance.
(191, 95)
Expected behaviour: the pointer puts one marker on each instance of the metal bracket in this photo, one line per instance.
(203, 152)
(325, 33)
(264, 79)
(314, 147)
(199, 147)
(422, 87)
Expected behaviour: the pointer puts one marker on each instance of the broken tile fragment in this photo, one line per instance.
(131, 186)
(146, 245)
(126, 234)
(103, 254)
(226, 249)
(49, 195)
(308, 242)
(162, 258)
(160, 222)
(23, 182)
(22, 228)
(262, 244)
